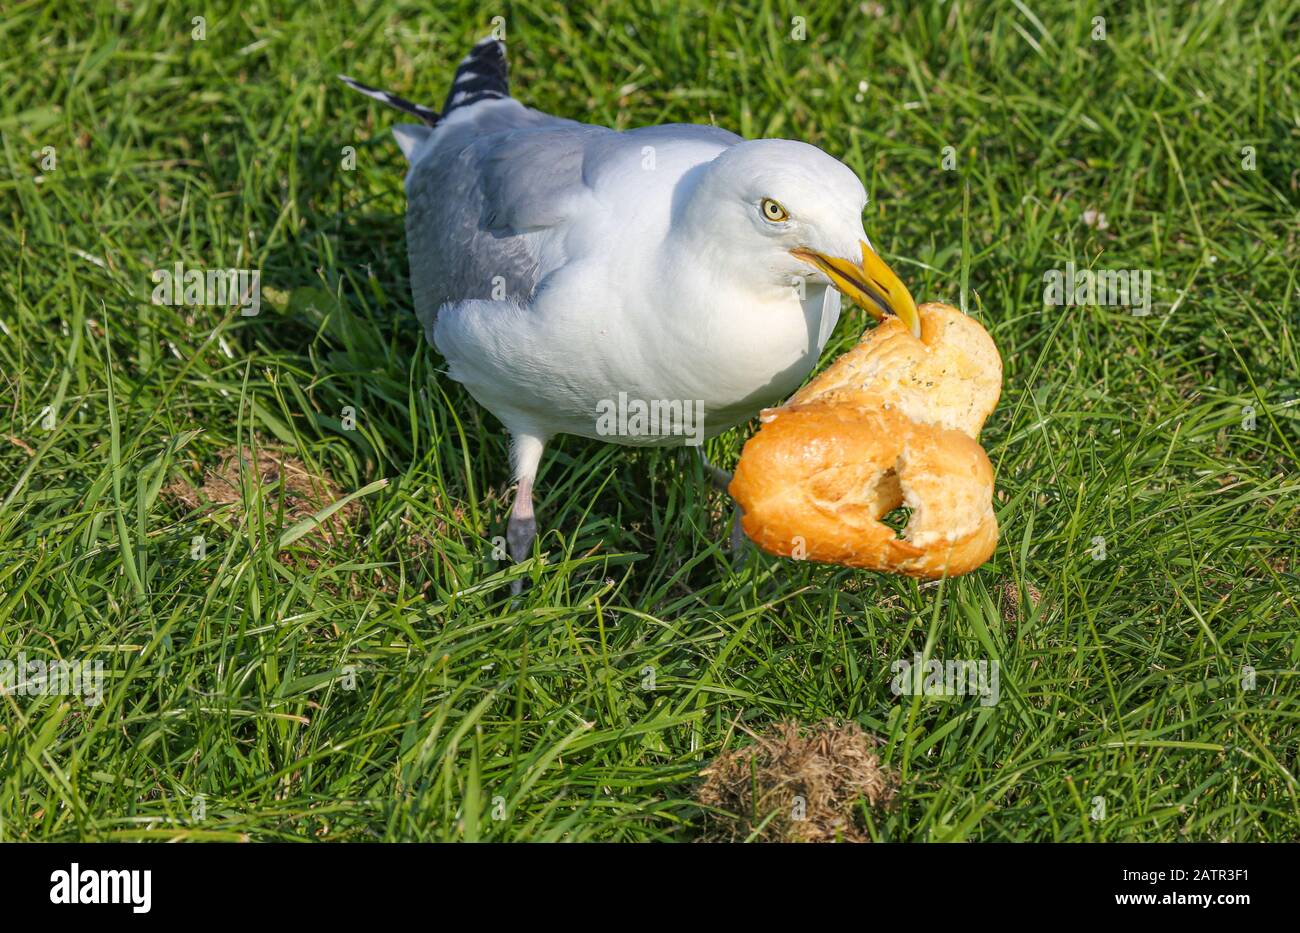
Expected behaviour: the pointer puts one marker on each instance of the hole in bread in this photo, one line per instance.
(855, 492)
(897, 519)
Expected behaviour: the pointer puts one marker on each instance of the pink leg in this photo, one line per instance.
(526, 455)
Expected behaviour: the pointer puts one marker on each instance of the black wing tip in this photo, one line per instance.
(481, 75)
(425, 114)
(489, 47)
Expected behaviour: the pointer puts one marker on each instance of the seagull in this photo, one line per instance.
(574, 276)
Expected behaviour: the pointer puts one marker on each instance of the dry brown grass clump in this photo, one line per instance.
(1012, 611)
(305, 492)
(809, 782)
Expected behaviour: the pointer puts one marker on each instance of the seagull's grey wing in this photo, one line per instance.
(480, 197)
(678, 133)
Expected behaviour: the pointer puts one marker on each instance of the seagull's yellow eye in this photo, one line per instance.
(773, 211)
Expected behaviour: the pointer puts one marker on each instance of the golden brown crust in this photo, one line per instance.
(892, 422)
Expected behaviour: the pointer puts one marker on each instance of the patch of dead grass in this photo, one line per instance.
(304, 494)
(809, 781)
(1012, 611)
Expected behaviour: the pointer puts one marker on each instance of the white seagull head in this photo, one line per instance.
(774, 211)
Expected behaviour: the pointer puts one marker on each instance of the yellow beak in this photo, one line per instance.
(871, 285)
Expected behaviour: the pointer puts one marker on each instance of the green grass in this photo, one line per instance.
(226, 675)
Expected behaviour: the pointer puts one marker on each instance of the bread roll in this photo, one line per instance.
(892, 422)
